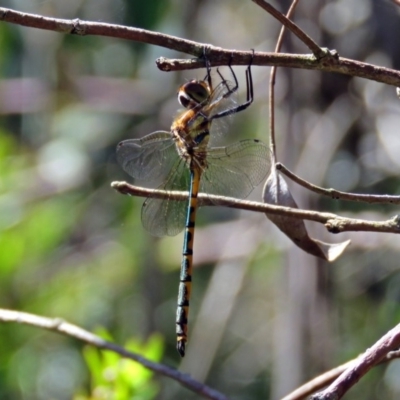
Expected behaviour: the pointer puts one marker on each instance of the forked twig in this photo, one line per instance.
(67, 329)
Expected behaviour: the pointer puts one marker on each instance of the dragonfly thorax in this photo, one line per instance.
(192, 127)
(194, 94)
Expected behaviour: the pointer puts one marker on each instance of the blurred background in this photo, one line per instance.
(265, 316)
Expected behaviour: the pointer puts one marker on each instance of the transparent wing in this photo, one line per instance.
(148, 158)
(235, 170)
(166, 217)
(151, 158)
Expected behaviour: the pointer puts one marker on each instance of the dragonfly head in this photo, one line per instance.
(193, 93)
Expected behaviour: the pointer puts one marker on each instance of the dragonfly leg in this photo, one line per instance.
(208, 68)
(249, 93)
(233, 89)
(249, 82)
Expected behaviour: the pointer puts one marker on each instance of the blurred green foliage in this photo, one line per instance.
(113, 377)
(265, 317)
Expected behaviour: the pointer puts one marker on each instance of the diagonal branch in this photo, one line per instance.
(67, 329)
(318, 382)
(285, 21)
(323, 380)
(353, 373)
(333, 223)
(216, 55)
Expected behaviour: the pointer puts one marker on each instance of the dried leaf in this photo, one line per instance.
(277, 192)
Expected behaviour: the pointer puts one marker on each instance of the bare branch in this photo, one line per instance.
(373, 356)
(333, 223)
(285, 21)
(337, 194)
(216, 55)
(60, 326)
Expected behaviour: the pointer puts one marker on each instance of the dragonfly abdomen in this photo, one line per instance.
(185, 284)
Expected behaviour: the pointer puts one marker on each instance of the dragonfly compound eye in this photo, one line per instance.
(193, 93)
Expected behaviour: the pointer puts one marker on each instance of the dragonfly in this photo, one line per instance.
(182, 159)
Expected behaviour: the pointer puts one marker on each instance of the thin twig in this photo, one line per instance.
(332, 222)
(337, 194)
(216, 55)
(286, 22)
(67, 329)
(373, 356)
(328, 377)
(272, 142)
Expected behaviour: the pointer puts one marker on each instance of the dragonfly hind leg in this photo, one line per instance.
(233, 89)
